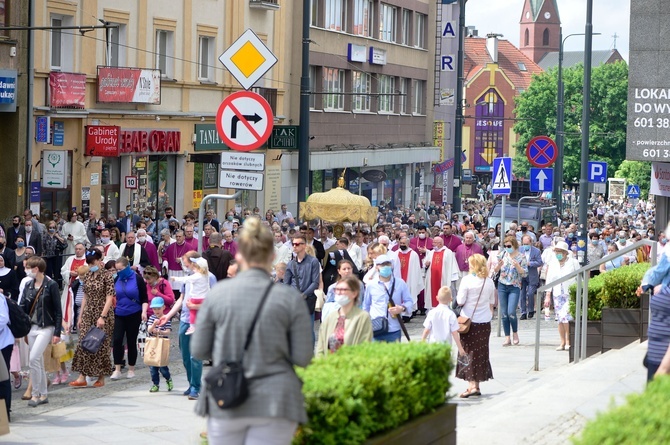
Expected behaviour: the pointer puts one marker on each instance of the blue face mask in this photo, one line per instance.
(559, 256)
(608, 239)
(509, 250)
(525, 248)
(20, 244)
(81, 281)
(385, 271)
(94, 268)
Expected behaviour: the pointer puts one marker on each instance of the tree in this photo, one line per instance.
(636, 172)
(536, 115)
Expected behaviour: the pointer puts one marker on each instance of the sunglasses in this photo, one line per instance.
(297, 244)
(509, 247)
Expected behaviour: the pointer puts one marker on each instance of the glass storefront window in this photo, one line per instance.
(109, 191)
(156, 183)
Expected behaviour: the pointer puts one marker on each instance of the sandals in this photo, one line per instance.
(78, 384)
(507, 343)
(469, 393)
(99, 383)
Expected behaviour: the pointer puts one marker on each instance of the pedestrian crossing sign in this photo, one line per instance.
(502, 176)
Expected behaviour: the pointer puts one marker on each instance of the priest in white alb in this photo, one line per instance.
(410, 268)
(442, 270)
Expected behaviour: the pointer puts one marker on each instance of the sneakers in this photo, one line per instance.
(170, 385)
(130, 375)
(116, 375)
(193, 395)
(154, 388)
(187, 392)
(190, 330)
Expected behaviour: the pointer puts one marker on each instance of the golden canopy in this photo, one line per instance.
(338, 205)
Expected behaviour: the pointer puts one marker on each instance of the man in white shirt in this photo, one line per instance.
(111, 252)
(327, 238)
(284, 214)
(282, 251)
(354, 251)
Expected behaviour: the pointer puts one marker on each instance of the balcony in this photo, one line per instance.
(272, 5)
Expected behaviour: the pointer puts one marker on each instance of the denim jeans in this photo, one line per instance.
(389, 337)
(155, 378)
(508, 297)
(193, 366)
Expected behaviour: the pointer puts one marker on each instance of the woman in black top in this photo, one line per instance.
(9, 284)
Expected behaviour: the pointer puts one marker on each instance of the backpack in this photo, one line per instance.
(19, 321)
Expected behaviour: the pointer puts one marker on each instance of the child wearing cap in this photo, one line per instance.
(158, 306)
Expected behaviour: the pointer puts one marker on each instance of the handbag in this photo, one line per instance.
(380, 325)
(464, 321)
(58, 350)
(157, 351)
(93, 339)
(226, 381)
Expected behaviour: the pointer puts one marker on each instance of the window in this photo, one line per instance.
(4, 15)
(164, 53)
(312, 87)
(333, 82)
(314, 16)
(388, 17)
(386, 90)
(361, 88)
(62, 44)
(205, 59)
(522, 66)
(420, 30)
(363, 16)
(545, 37)
(419, 97)
(335, 15)
(404, 96)
(526, 37)
(406, 31)
(116, 52)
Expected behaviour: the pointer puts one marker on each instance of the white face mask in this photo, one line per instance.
(31, 274)
(104, 241)
(29, 229)
(422, 236)
(141, 239)
(342, 299)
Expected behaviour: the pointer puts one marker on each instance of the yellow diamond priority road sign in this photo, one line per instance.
(248, 59)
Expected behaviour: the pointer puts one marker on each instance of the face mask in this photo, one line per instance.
(52, 230)
(608, 239)
(422, 236)
(332, 262)
(20, 244)
(403, 248)
(81, 281)
(342, 299)
(230, 218)
(15, 224)
(571, 236)
(524, 229)
(141, 239)
(147, 219)
(105, 240)
(31, 274)
(509, 249)
(94, 268)
(114, 275)
(492, 234)
(559, 256)
(594, 242)
(29, 229)
(385, 271)
(525, 248)
(663, 241)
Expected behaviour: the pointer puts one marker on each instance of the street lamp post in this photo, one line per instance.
(586, 117)
(560, 124)
(460, 120)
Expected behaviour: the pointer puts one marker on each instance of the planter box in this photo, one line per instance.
(594, 339)
(621, 327)
(435, 428)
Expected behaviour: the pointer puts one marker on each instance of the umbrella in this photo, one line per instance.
(338, 205)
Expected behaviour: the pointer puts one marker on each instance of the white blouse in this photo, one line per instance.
(467, 296)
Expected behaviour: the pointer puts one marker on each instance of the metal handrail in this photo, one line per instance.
(582, 281)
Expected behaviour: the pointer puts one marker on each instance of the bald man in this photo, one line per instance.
(442, 270)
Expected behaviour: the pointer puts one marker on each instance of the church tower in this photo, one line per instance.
(540, 29)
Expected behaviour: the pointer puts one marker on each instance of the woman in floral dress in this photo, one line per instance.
(96, 310)
(513, 266)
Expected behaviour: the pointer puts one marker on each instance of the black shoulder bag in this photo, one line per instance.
(226, 382)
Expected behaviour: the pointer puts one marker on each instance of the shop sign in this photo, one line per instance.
(129, 85)
(54, 169)
(377, 56)
(67, 90)
(35, 191)
(8, 90)
(102, 140)
(43, 129)
(147, 141)
(210, 175)
(356, 53)
(59, 133)
(207, 138)
(284, 136)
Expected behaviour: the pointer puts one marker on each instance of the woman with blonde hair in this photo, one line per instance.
(374, 250)
(280, 340)
(476, 295)
(349, 325)
(513, 267)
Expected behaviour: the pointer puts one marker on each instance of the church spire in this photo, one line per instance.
(540, 28)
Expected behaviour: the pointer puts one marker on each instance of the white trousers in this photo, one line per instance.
(250, 431)
(38, 340)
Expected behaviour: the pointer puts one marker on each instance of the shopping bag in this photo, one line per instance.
(4, 419)
(58, 350)
(50, 364)
(157, 351)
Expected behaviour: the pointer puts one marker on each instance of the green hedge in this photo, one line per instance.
(615, 289)
(643, 419)
(365, 389)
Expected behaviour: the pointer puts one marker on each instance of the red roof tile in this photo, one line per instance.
(476, 58)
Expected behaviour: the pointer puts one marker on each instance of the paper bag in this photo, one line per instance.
(50, 364)
(58, 350)
(4, 419)
(157, 351)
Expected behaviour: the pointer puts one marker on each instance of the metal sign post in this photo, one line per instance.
(201, 213)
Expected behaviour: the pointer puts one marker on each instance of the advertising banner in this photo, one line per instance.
(129, 85)
(8, 90)
(67, 90)
(102, 140)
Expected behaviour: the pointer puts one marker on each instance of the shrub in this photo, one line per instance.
(621, 284)
(642, 419)
(595, 305)
(365, 389)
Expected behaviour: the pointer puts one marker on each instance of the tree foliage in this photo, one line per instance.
(536, 115)
(636, 172)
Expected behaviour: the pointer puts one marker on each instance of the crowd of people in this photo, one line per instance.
(363, 281)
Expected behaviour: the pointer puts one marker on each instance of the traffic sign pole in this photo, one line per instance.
(502, 243)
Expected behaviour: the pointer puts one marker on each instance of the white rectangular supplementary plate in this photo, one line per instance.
(235, 160)
(248, 59)
(241, 180)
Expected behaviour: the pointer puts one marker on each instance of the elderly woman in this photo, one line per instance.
(476, 295)
(513, 267)
(282, 339)
(563, 266)
(347, 325)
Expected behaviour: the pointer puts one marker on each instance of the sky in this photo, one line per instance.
(609, 17)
